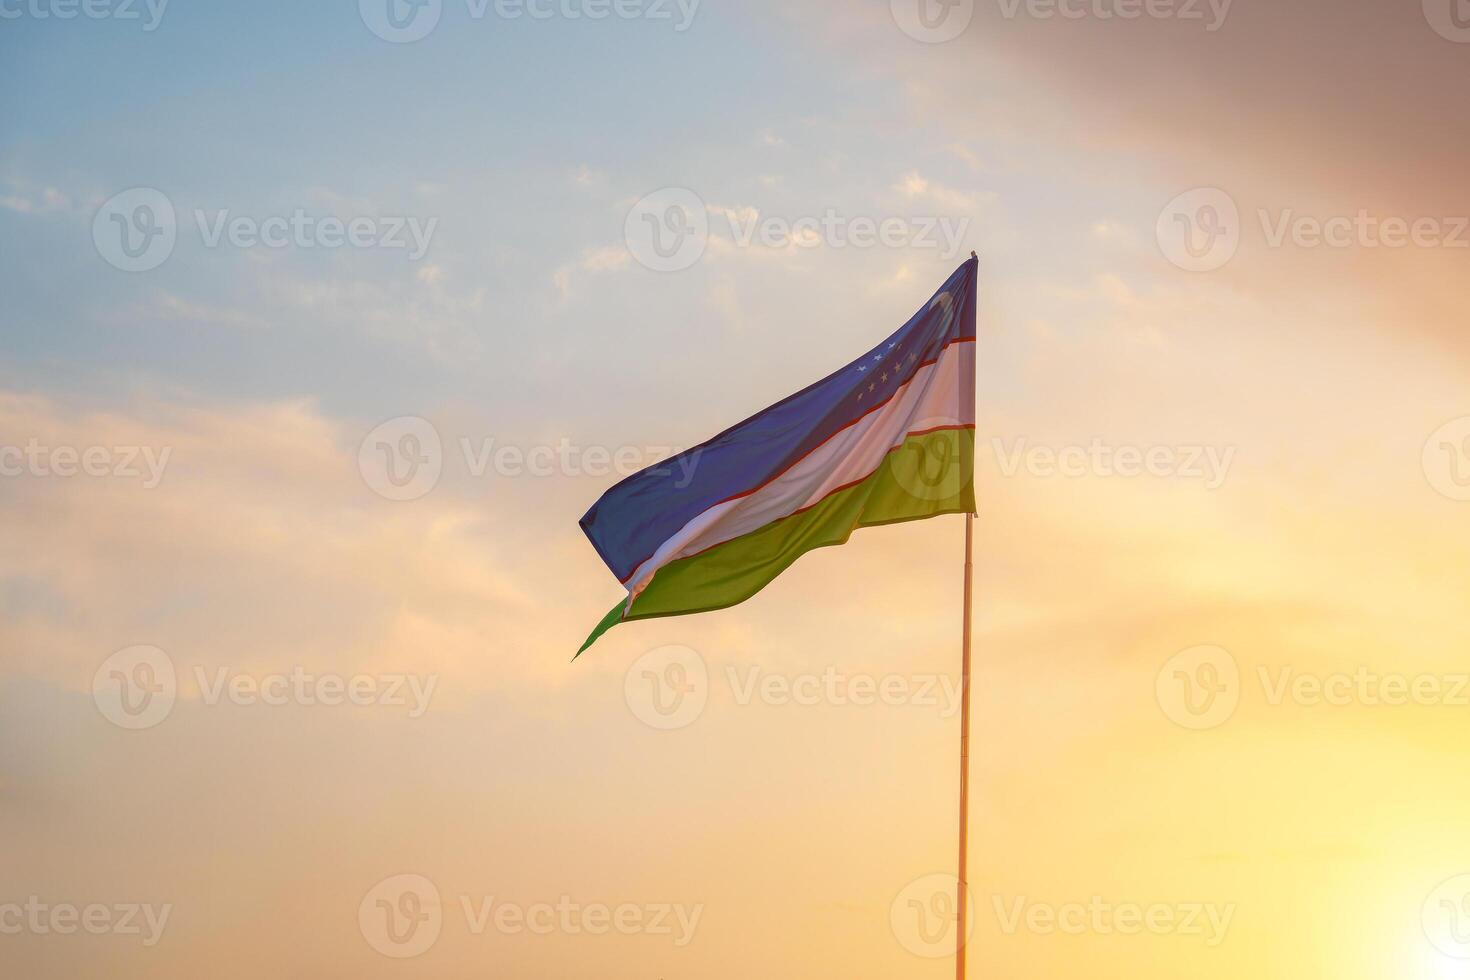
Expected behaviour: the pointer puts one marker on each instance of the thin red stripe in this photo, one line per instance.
(833, 492)
(922, 364)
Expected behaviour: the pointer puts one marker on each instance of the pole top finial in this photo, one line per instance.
(973, 255)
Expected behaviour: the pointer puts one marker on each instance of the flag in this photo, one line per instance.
(890, 437)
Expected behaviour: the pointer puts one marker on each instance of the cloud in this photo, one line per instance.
(26, 198)
(1139, 110)
(916, 187)
(587, 178)
(261, 548)
(596, 260)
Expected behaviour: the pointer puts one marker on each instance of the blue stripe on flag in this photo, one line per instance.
(629, 522)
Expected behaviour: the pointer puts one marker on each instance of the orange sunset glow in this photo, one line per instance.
(324, 324)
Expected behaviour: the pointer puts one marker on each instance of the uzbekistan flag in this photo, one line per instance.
(888, 438)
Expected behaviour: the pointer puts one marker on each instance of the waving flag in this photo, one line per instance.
(888, 438)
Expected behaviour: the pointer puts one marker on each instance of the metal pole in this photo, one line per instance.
(962, 898)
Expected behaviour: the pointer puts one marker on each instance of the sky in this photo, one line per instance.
(324, 323)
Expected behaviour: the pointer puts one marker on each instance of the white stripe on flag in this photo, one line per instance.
(930, 399)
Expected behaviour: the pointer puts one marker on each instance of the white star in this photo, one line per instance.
(861, 368)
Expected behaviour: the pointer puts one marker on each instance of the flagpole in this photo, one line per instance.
(962, 891)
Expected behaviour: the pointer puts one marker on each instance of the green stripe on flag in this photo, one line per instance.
(927, 475)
